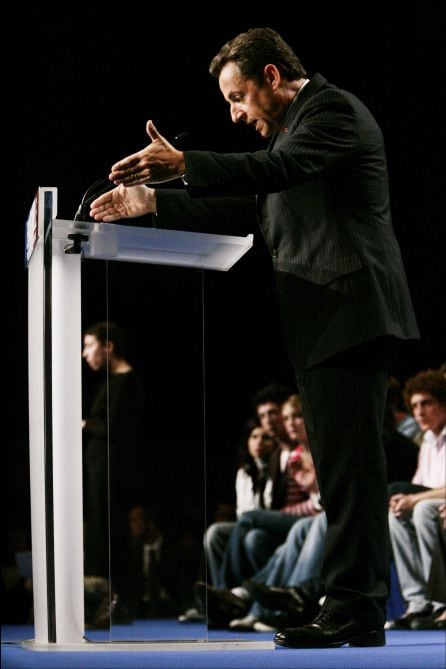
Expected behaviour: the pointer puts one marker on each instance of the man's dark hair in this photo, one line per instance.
(254, 49)
(105, 332)
(430, 381)
(273, 392)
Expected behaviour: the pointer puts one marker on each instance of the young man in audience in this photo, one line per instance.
(414, 507)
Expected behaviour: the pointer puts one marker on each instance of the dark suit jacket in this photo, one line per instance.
(322, 202)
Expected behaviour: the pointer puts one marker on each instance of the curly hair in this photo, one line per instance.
(430, 381)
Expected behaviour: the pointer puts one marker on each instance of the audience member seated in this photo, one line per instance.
(258, 533)
(267, 403)
(253, 490)
(436, 585)
(163, 562)
(413, 507)
(286, 590)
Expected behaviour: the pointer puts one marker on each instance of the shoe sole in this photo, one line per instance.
(371, 639)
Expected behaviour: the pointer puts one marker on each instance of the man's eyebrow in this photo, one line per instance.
(422, 401)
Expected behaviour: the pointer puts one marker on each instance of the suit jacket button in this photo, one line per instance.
(274, 253)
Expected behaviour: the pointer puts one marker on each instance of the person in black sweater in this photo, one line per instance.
(111, 432)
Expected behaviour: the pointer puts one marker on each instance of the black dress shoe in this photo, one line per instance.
(291, 600)
(331, 630)
(436, 621)
(221, 605)
(410, 620)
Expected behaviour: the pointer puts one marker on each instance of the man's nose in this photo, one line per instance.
(237, 114)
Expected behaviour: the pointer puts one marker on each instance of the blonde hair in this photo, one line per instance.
(294, 402)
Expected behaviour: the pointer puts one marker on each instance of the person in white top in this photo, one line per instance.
(414, 509)
(253, 489)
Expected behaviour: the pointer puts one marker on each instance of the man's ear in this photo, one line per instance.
(271, 76)
(109, 347)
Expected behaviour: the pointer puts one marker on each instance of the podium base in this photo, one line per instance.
(148, 646)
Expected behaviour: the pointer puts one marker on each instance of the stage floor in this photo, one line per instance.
(404, 650)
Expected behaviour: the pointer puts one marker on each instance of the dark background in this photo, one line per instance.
(81, 82)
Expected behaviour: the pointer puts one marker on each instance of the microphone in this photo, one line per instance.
(82, 211)
(180, 141)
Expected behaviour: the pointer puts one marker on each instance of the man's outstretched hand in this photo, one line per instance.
(156, 163)
(122, 202)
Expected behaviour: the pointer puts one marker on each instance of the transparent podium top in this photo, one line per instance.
(109, 241)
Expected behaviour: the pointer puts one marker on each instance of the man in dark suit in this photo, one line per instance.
(322, 202)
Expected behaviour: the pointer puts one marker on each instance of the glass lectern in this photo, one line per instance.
(79, 273)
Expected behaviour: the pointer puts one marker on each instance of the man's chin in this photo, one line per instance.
(264, 131)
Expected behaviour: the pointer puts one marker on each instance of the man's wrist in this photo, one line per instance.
(182, 170)
(151, 200)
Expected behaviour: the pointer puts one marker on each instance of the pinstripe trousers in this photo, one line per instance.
(343, 400)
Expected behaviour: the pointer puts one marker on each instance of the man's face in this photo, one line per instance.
(428, 412)
(254, 104)
(94, 353)
(270, 418)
